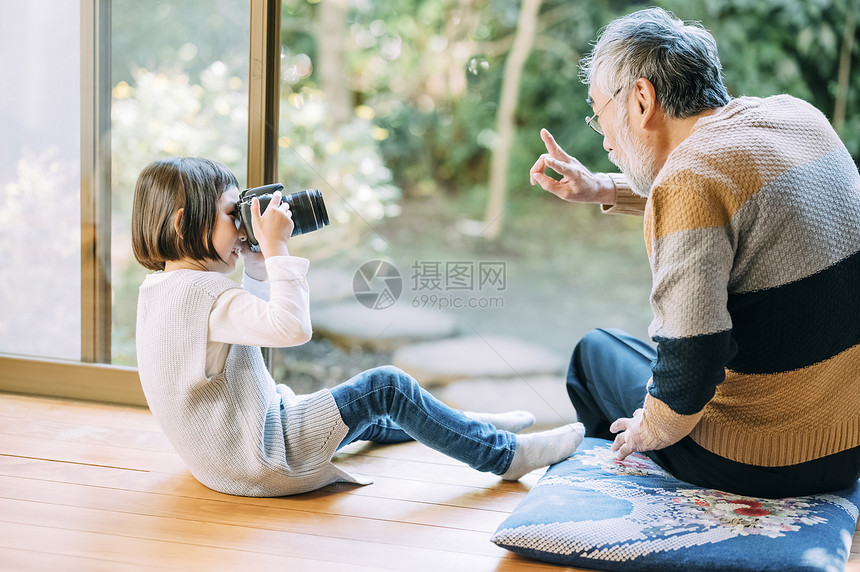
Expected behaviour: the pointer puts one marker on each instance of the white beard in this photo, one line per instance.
(637, 161)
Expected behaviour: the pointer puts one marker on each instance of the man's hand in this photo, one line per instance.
(578, 184)
(630, 438)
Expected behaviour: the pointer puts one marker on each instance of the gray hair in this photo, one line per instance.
(679, 59)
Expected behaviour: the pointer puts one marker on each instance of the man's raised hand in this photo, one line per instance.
(577, 183)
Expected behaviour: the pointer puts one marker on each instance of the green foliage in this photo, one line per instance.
(164, 113)
(784, 46)
(342, 161)
(178, 34)
(437, 93)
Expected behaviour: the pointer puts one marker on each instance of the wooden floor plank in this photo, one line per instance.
(80, 432)
(245, 538)
(88, 486)
(153, 553)
(180, 519)
(30, 561)
(408, 531)
(296, 508)
(91, 454)
(166, 461)
(83, 412)
(85, 427)
(501, 498)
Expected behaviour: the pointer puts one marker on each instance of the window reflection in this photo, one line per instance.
(179, 75)
(40, 236)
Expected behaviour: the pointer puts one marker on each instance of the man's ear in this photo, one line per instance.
(177, 221)
(646, 102)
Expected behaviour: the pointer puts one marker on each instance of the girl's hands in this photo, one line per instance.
(274, 227)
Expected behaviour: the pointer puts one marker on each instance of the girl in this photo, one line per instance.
(201, 368)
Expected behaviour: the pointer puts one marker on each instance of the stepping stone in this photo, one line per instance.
(444, 361)
(545, 396)
(350, 324)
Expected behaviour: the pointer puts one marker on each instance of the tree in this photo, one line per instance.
(845, 68)
(331, 38)
(505, 119)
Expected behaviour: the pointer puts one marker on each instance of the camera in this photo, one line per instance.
(307, 207)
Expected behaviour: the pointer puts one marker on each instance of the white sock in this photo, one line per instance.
(513, 421)
(536, 450)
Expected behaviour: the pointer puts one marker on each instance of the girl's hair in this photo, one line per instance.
(164, 187)
(679, 59)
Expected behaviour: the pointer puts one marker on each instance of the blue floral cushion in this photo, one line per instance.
(595, 512)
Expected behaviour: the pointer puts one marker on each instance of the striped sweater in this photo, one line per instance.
(238, 432)
(753, 235)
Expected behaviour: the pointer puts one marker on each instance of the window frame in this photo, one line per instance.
(95, 181)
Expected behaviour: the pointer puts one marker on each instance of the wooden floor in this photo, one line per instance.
(96, 487)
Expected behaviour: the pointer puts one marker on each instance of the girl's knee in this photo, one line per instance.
(390, 376)
(389, 386)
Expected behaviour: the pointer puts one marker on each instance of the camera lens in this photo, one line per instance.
(309, 212)
(307, 208)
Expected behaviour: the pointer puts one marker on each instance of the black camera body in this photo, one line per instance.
(307, 207)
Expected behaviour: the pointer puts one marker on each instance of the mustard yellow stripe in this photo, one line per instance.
(778, 450)
(677, 207)
(815, 393)
(812, 411)
(706, 185)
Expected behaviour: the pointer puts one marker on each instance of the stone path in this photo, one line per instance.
(478, 372)
(351, 324)
(476, 356)
(545, 396)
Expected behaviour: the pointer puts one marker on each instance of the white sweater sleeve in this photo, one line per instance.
(247, 317)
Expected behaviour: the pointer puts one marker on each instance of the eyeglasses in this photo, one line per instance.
(593, 121)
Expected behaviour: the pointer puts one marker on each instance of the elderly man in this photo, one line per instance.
(752, 228)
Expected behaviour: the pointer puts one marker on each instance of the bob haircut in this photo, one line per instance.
(680, 60)
(164, 187)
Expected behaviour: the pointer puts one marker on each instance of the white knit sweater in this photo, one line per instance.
(238, 432)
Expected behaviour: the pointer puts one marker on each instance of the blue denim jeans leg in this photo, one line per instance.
(607, 378)
(386, 405)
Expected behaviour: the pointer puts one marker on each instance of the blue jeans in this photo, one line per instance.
(386, 405)
(607, 379)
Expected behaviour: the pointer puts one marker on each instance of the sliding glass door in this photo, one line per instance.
(93, 91)
(40, 173)
(179, 77)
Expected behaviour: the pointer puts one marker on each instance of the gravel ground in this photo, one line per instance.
(319, 363)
